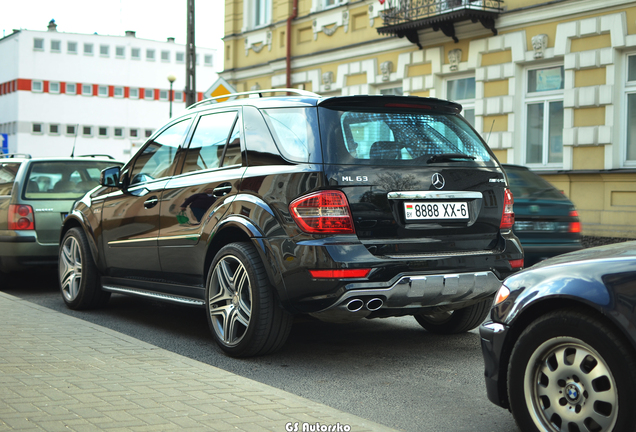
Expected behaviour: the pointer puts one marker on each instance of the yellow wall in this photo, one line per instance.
(588, 158)
(501, 155)
(589, 116)
(500, 123)
(591, 42)
(496, 58)
(496, 88)
(589, 77)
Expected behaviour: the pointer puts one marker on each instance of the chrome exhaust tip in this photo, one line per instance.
(355, 305)
(374, 304)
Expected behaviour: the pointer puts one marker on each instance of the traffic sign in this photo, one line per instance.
(220, 88)
(5, 143)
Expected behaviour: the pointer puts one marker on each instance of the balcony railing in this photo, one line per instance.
(402, 17)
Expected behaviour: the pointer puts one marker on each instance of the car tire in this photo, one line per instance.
(456, 321)
(243, 313)
(570, 371)
(77, 273)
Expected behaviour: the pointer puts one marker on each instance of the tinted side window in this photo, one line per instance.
(52, 180)
(7, 177)
(295, 132)
(209, 139)
(157, 158)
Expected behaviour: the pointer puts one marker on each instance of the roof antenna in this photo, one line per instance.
(491, 126)
(75, 140)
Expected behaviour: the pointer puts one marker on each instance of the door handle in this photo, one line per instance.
(222, 189)
(151, 202)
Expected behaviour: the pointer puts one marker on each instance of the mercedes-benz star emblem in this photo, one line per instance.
(438, 181)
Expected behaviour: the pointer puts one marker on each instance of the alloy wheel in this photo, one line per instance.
(230, 300)
(70, 266)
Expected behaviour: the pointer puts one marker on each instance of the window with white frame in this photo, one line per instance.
(54, 87)
(87, 90)
(71, 47)
(148, 133)
(630, 95)
(180, 57)
(134, 133)
(133, 93)
(261, 12)
(118, 92)
(54, 129)
(87, 131)
(149, 94)
(102, 91)
(36, 128)
(544, 116)
(104, 50)
(135, 53)
(37, 86)
(88, 49)
(56, 46)
(163, 95)
(38, 44)
(102, 132)
(165, 56)
(150, 54)
(120, 52)
(118, 132)
(178, 96)
(207, 60)
(71, 89)
(462, 90)
(71, 129)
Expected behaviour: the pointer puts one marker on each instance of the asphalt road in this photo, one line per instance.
(390, 370)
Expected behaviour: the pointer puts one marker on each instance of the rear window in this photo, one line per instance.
(8, 172)
(396, 137)
(526, 184)
(63, 179)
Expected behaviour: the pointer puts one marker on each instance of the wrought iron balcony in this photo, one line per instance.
(405, 17)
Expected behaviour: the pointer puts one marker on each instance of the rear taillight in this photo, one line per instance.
(340, 274)
(324, 212)
(507, 216)
(518, 263)
(21, 217)
(575, 227)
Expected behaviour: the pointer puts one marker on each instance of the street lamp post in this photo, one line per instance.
(171, 79)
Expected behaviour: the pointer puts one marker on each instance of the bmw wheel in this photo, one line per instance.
(242, 310)
(571, 372)
(78, 277)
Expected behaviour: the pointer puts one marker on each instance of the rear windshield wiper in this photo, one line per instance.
(447, 157)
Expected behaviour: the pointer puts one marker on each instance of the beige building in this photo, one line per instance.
(549, 85)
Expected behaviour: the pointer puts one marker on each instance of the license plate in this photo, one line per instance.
(437, 210)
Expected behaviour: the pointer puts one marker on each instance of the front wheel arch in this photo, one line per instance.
(536, 311)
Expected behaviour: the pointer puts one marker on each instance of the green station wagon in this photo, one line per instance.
(35, 196)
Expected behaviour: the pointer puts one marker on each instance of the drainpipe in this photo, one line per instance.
(288, 58)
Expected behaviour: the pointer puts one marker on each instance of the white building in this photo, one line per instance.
(95, 93)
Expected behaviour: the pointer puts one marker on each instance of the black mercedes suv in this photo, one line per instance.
(259, 208)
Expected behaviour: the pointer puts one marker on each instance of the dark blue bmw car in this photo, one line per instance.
(560, 348)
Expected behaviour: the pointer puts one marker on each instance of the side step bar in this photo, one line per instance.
(155, 295)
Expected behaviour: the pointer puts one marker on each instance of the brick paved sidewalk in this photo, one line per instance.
(58, 372)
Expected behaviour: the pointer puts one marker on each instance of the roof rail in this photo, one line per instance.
(254, 92)
(15, 155)
(97, 156)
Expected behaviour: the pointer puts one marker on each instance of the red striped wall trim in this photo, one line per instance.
(24, 84)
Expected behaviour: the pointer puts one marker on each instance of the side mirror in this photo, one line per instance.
(110, 177)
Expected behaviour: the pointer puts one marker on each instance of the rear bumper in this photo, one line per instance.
(22, 251)
(493, 336)
(398, 285)
(534, 253)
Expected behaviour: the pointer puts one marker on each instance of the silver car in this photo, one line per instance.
(35, 196)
